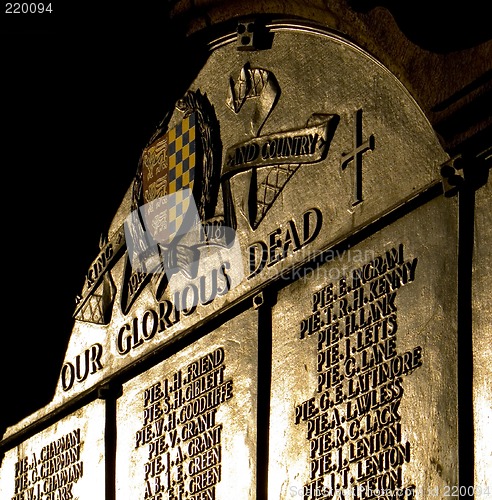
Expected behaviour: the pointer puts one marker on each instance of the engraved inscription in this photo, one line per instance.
(353, 424)
(282, 242)
(306, 145)
(50, 473)
(180, 430)
(85, 364)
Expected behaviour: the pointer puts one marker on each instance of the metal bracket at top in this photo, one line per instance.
(252, 35)
(258, 300)
(452, 175)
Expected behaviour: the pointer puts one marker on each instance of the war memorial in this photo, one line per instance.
(292, 300)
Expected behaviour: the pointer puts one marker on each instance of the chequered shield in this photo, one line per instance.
(168, 178)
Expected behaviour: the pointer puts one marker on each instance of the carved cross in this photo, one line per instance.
(356, 155)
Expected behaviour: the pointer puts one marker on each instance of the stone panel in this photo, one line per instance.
(64, 461)
(187, 427)
(482, 344)
(364, 367)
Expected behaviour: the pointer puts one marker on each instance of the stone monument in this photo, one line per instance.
(274, 312)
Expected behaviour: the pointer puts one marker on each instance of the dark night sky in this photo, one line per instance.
(81, 95)
(82, 91)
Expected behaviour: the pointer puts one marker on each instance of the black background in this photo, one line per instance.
(82, 92)
(83, 89)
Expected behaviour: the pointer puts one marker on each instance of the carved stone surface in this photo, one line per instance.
(482, 342)
(187, 427)
(66, 460)
(277, 295)
(274, 155)
(365, 347)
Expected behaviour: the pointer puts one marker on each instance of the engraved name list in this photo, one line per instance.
(353, 424)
